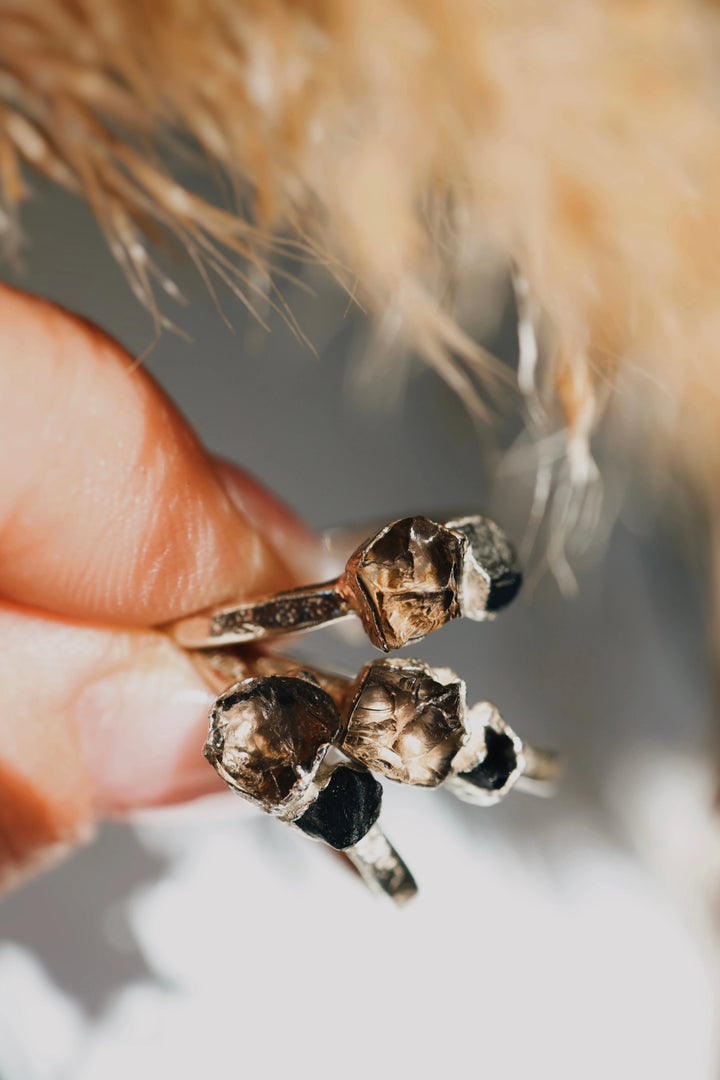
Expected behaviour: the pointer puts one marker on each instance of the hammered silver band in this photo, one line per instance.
(282, 613)
(381, 868)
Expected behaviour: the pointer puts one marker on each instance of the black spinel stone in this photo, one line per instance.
(503, 590)
(499, 762)
(345, 810)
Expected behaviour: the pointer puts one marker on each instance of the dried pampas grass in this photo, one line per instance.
(403, 141)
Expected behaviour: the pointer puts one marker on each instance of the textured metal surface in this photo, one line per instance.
(491, 575)
(298, 609)
(381, 868)
(408, 580)
(221, 667)
(495, 760)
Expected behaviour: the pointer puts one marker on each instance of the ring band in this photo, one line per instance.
(381, 868)
(409, 579)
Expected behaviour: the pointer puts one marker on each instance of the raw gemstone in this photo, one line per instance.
(491, 575)
(269, 734)
(345, 810)
(498, 765)
(406, 723)
(404, 581)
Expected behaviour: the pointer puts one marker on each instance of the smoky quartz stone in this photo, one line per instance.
(405, 722)
(345, 810)
(405, 581)
(268, 736)
(491, 575)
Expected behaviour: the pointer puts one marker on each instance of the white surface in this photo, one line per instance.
(554, 954)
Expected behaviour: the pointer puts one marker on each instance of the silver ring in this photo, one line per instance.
(277, 741)
(411, 723)
(409, 579)
(302, 744)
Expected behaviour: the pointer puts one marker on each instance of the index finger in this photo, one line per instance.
(110, 509)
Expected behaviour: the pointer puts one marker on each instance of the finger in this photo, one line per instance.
(110, 509)
(93, 722)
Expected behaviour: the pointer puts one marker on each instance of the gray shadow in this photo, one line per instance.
(74, 919)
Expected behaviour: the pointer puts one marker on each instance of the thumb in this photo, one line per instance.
(93, 722)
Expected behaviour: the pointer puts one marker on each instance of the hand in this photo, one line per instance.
(113, 519)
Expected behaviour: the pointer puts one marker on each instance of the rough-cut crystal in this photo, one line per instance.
(269, 734)
(405, 723)
(345, 810)
(498, 765)
(491, 575)
(491, 760)
(405, 581)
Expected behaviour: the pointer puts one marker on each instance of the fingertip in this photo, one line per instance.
(113, 510)
(93, 723)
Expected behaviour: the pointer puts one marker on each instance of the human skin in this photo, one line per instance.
(113, 520)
